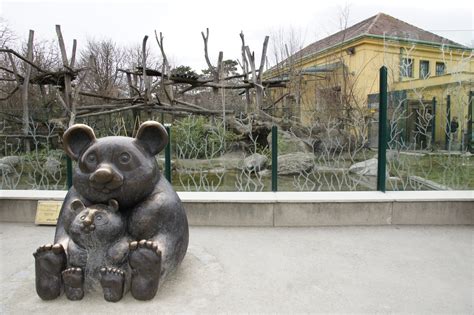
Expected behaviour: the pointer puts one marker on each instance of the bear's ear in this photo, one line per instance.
(152, 136)
(76, 139)
(77, 205)
(114, 205)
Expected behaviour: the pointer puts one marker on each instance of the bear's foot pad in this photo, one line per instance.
(145, 262)
(112, 281)
(50, 260)
(73, 283)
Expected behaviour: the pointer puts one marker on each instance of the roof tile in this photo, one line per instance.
(382, 25)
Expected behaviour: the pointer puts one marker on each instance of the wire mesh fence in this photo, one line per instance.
(324, 142)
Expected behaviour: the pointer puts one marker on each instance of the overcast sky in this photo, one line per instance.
(181, 21)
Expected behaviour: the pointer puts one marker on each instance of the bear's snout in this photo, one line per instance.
(106, 179)
(102, 175)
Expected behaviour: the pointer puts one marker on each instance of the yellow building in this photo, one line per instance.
(338, 77)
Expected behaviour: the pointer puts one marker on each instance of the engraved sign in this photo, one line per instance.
(47, 212)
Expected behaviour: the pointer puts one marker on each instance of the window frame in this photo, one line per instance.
(428, 73)
(439, 63)
(407, 67)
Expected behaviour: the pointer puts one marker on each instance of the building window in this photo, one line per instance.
(424, 69)
(440, 68)
(407, 68)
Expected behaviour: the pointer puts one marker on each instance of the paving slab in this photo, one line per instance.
(370, 269)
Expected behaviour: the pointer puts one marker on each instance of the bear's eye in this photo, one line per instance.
(98, 217)
(125, 158)
(91, 158)
(83, 217)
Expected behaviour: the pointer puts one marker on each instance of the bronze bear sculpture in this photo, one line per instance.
(94, 232)
(114, 174)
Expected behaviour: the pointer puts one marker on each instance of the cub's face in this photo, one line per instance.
(97, 224)
(120, 168)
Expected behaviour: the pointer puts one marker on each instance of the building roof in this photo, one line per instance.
(377, 25)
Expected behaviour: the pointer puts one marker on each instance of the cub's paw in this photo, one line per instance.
(145, 262)
(112, 281)
(50, 260)
(73, 279)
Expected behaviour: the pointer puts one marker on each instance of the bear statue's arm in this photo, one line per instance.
(161, 218)
(66, 216)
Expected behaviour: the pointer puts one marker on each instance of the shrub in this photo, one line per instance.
(196, 137)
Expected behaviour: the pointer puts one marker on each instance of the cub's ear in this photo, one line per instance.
(77, 205)
(114, 205)
(76, 139)
(152, 136)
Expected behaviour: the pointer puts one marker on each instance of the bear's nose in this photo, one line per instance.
(88, 222)
(89, 218)
(102, 175)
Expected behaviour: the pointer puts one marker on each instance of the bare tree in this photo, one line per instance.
(107, 56)
(7, 36)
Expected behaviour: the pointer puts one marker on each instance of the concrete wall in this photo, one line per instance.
(291, 209)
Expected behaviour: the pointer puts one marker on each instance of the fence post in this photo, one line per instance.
(168, 154)
(68, 172)
(433, 123)
(448, 123)
(382, 149)
(469, 121)
(274, 158)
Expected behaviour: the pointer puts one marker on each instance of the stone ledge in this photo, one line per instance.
(264, 197)
(332, 214)
(290, 208)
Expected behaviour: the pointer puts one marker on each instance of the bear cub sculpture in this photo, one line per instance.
(94, 232)
(121, 226)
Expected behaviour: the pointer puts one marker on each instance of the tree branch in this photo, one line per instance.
(206, 54)
(10, 94)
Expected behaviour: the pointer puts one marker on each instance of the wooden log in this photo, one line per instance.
(206, 53)
(129, 99)
(62, 47)
(190, 105)
(73, 55)
(24, 88)
(245, 70)
(165, 67)
(146, 79)
(263, 58)
(112, 111)
(29, 136)
(67, 76)
(164, 107)
(31, 63)
(19, 79)
(218, 73)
